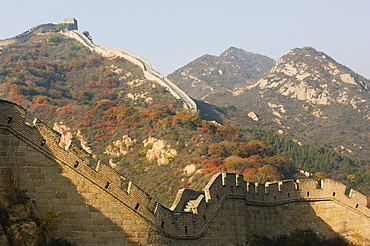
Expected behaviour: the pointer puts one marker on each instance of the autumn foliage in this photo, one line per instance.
(254, 159)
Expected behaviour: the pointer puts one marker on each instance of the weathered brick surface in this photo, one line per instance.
(94, 210)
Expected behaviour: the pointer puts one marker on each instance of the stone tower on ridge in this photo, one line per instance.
(72, 23)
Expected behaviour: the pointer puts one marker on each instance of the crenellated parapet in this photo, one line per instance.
(308, 190)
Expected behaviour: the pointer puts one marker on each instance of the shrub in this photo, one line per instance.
(47, 221)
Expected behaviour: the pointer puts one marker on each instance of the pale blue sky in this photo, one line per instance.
(171, 33)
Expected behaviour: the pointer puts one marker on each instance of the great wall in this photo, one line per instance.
(69, 28)
(98, 206)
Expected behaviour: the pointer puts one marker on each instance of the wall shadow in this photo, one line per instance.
(282, 208)
(85, 215)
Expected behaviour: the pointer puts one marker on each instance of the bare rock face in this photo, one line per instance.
(3, 238)
(17, 215)
(313, 77)
(159, 151)
(232, 71)
(19, 212)
(253, 116)
(120, 146)
(25, 233)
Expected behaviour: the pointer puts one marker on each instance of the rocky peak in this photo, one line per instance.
(305, 93)
(255, 64)
(314, 77)
(232, 71)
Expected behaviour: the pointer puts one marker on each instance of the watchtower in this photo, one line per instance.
(72, 23)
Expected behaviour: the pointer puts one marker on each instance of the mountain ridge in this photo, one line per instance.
(299, 95)
(218, 73)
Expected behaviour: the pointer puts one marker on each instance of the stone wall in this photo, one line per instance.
(69, 24)
(23, 37)
(96, 205)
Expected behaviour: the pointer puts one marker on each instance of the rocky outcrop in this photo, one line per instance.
(160, 151)
(311, 76)
(120, 146)
(18, 218)
(3, 239)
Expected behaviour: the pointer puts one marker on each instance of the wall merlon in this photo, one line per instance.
(272, 188)
(307, 184)
(182, 198)
(199, 205)
(106, 172)
(78, 151)
(260, 189)
(164, 216)
(288, 186)
(359, 199)
(48, 133)
(142, 198)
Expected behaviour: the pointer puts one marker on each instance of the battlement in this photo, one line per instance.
(192, 212)
(306, 189)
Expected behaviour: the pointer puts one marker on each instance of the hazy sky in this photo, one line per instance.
(171, 33)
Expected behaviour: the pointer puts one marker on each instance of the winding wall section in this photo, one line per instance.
(149, 73)
(69, 29)
(97, 205)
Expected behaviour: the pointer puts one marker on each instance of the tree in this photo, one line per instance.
(228, 131)
(54, 38)
(41, 100)
(86, 33)
(319, 176)
(235, 163)
(260, 148)
(265, 174)
(217, 150)
(283, 164)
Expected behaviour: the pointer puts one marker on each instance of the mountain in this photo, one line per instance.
(306, 95)
(232, 71)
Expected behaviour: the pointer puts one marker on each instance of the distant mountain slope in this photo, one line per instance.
(255, 65)
(233, 70)
(309, 95)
